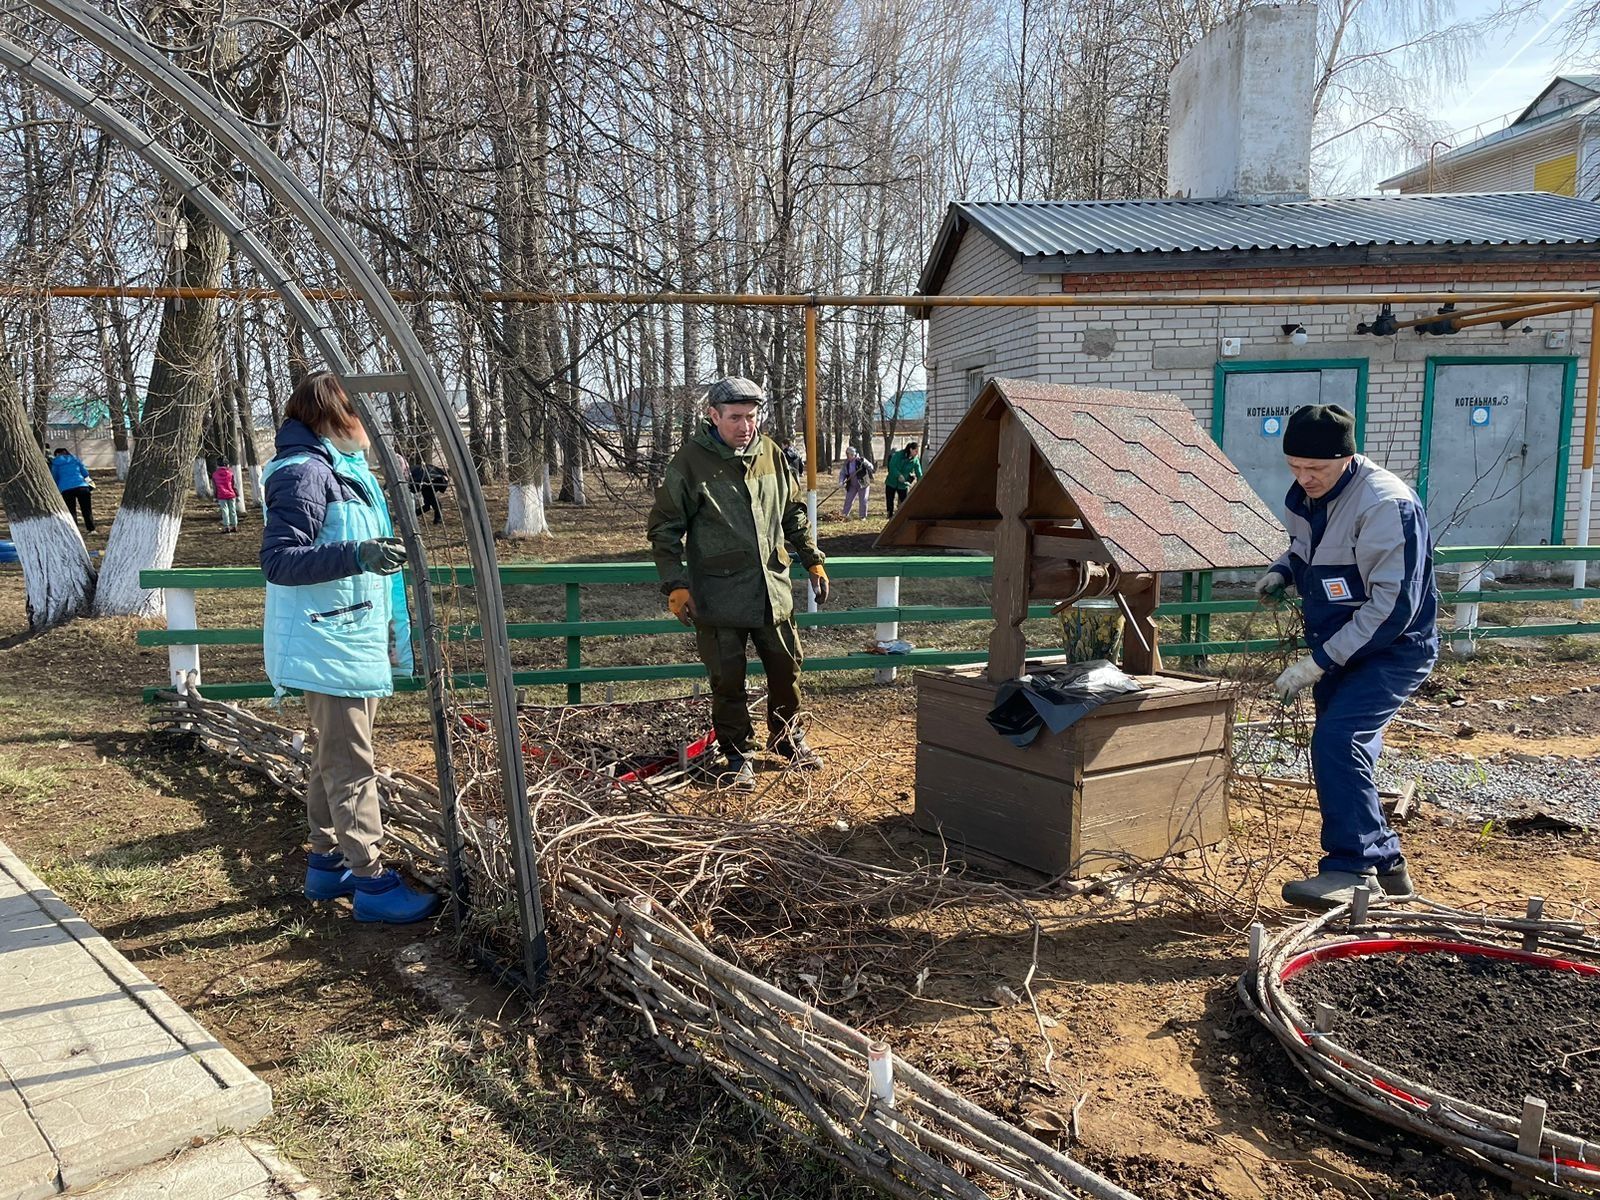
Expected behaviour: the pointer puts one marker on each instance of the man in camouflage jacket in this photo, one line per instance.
(730, 495)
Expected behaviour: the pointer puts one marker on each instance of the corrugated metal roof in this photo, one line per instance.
(1066, 227)
(1079, 235)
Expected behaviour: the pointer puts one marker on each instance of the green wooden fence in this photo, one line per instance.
(1194, 609)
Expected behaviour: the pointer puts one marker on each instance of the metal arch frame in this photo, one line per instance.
(417, 376)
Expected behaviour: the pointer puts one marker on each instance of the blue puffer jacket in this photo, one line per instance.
(69, 472)
(328, 622)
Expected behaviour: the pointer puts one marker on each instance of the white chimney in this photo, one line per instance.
(1240, 108)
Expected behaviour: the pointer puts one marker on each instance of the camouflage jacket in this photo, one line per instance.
(735, 509)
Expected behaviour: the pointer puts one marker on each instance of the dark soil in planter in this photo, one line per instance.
(1482, 1029)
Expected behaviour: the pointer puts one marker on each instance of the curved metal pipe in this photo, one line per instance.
(22, 63)
(232, 133)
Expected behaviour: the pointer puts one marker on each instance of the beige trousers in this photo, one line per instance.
(342, 791)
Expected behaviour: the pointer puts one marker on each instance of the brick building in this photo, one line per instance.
(1486, 421)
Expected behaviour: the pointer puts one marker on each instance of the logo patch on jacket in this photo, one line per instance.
(1336, 588)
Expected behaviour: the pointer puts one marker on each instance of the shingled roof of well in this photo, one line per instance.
(1156, 489)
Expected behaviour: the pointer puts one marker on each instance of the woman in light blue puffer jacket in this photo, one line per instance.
(336, 626)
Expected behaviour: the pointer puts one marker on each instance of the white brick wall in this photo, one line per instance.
(1176, 349)
(996, 340)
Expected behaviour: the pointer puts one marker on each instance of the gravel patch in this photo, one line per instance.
(1500, 787)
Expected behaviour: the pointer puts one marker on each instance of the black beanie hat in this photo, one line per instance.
(1320, 431)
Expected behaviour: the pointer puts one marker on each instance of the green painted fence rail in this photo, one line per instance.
(1194, 611)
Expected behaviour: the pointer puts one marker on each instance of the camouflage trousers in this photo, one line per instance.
(724, 652)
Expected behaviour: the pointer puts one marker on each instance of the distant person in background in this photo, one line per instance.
(796, 460)
(428, 481)
(72, 478)
(856, 475)
(227, 498)
(904, 469)
(336, 625)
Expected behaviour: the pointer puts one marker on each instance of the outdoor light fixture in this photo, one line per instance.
(1295, 333)
(1382, 325)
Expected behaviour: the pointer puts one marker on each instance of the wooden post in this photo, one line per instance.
(1530, 937)
(1012, 552)
(1258, 941)
(1359, 901)
(1529, 1135)
(574, 643)
(1137, 659)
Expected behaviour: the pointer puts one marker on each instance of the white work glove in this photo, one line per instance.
(1270, 588)
(1301, 675)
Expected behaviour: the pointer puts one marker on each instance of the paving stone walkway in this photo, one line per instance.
(100, 1072)
(231, 1168)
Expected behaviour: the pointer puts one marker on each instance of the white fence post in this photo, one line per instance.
(888, 597)
(180, 615)
(1468, 579)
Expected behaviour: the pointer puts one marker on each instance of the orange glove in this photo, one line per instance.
(681, 605)
(819, 584)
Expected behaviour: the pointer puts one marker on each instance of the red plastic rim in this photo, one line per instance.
(1370, 946)
(1366, 947)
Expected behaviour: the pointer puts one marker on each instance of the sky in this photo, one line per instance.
(1506, 76)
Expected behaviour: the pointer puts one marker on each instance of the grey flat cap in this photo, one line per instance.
(734, 390)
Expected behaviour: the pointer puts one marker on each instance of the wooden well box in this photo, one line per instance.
(1080, 493)
(1141, 775)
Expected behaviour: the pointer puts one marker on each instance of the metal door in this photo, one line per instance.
(1494, 452)
(1255, 405)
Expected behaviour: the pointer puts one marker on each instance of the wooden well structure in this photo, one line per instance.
(1080, 492)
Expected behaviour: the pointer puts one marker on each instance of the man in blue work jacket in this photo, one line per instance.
(1361, 559)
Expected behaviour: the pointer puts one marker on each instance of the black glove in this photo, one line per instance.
(381, 556)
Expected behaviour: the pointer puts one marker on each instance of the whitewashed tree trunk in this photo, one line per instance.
(580, 496)
(524, 216)
(526, 515)
(202, 480)
(183, 382)
(142, 539)
(123, 458)
(57, 576)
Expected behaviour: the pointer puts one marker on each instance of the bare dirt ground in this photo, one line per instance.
(193, 868)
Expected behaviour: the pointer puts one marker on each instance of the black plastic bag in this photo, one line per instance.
(1056, 699)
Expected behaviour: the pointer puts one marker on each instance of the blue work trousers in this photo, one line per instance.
(1354, 704)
